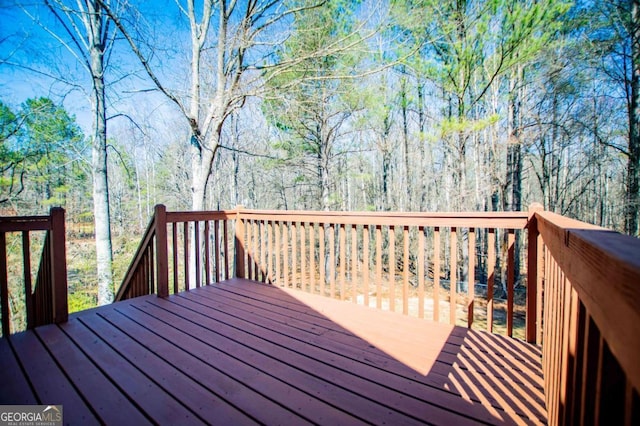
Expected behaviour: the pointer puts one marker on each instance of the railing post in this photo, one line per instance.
(4, 286)
(59, 266)
(162, 257)
(532, 273)
(239, 244)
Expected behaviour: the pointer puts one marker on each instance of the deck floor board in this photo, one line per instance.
(240, 352)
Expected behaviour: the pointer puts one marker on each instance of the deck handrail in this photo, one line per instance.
(591, 325)
(270, 258)
(583, 282)
(149, 270)
(45, 303)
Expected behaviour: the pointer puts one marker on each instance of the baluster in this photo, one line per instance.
(378, 267)
(354, 264)
(365, 263)
(491, 276)
(332, 261)
(471, 290)
(392, 268)
(405, 271)
(436, 274)
(453, 275)
(312, 257)
(421, 253)
(343, 260)
(510, 279)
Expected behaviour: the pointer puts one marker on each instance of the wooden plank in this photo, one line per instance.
(207, 253)
(578, 379)
(15, 389)
(322, 258)
(312, 258)
(343, 261)
(225, 237)
(332, 261)
(372, 325)
(304, 280)
(285, 251)
(240, 244)
(294, 256)
(405, 270)
(392, 268)
(99, 392)
(533, 237)
(278, 249)
(387, 407)
(159, 405)
(252, 297)
(491, 276)
(216, 250)
(436, 274)
(540, 289)
(270, 255)
(378, 267)
(515, 220)
(589, 257)
(354, 264)
(229, 400)
(511, 262)
(193, 400)
(174, 242)
(453, 275)
(196, 252)
(26, 273)
(421, 271)
(50, 384)
(256, 250)
(472, 277)
(249, 250)
(185, 235)
(263, 251)
(590, 371)
(272, 359)
(365, 263)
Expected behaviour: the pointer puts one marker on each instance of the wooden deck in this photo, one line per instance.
(240, 352)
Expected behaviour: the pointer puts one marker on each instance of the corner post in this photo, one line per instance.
(239, 243)
(532, 273)
(59, 266)
(162, 258)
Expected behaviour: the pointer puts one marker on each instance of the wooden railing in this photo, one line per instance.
(184, 249)
(423, 264)
(45, 303)
(591, 322)
(582, 282)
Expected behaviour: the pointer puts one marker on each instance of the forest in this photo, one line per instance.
(109, 107)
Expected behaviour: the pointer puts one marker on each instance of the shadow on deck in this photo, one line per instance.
(242, 352)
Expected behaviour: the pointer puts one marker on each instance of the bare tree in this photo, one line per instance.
(231, 41)
(87, 33)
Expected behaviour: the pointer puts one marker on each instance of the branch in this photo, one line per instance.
(141, 58)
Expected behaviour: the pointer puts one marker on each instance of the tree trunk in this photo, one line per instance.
(405, 142)
(102, 215)
(633, 165)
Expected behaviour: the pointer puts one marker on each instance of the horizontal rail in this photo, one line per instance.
(399, 261)
(513, 220)
(591, 326)
(173, 217)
